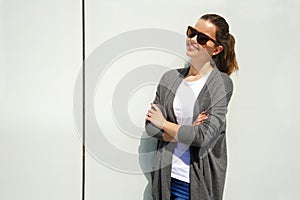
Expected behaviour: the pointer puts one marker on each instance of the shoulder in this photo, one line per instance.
(175, 72)
(227, 80)
(221, 79)
(172, 74)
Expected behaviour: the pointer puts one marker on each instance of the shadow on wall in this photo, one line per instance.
(147, 154)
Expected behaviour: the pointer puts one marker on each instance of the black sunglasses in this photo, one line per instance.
(201, 37)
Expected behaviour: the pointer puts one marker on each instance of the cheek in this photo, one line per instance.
(210, 50)
(187, 40)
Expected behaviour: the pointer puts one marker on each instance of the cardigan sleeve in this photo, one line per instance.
(201, 135)
(150, 129)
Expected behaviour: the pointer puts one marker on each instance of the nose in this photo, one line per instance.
(194, 38)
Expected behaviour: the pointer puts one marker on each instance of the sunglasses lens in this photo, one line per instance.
(191, 32)
(202, 39)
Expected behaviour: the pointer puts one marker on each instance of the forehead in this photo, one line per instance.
(206, 27)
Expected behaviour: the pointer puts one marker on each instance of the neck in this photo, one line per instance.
(201, 70)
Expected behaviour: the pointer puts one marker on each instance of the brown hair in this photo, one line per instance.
(226, 59)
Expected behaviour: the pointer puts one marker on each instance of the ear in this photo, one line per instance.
(218, 49)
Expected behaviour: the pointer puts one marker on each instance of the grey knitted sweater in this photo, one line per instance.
(207, 141)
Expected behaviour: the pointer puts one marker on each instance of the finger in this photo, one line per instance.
(151, 111)
(155, 107)
(202, 119)
(198, 123)
(205, 111)
(203, 114)
(198, 119)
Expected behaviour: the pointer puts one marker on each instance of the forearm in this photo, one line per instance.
(171, 129)
(152, 130)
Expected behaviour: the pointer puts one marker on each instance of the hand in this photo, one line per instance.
(155, 116)
(201, 118)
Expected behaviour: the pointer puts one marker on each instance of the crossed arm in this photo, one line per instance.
(170, 130)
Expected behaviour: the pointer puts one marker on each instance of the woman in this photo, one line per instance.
(188, 116)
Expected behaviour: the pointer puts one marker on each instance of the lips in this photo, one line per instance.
(192, 46)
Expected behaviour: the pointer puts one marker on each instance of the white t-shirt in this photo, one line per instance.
(183, 105)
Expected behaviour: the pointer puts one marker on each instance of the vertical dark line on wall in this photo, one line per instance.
(83, 100)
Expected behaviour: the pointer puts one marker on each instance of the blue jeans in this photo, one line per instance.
(179, 190)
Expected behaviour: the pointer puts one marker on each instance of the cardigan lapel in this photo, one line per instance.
(170, 96)
(203, 99)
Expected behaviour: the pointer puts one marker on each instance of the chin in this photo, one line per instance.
(190, 54)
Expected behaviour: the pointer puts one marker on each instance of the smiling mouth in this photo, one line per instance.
(192, 45)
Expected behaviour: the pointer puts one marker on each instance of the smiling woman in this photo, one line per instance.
(188, 116)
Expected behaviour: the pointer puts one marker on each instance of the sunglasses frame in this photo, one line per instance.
(194, 33)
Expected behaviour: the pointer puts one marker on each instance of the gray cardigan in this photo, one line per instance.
(207, 141)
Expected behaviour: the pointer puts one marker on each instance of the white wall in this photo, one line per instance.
(262, 119)
(40, 57)
(40, 62)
